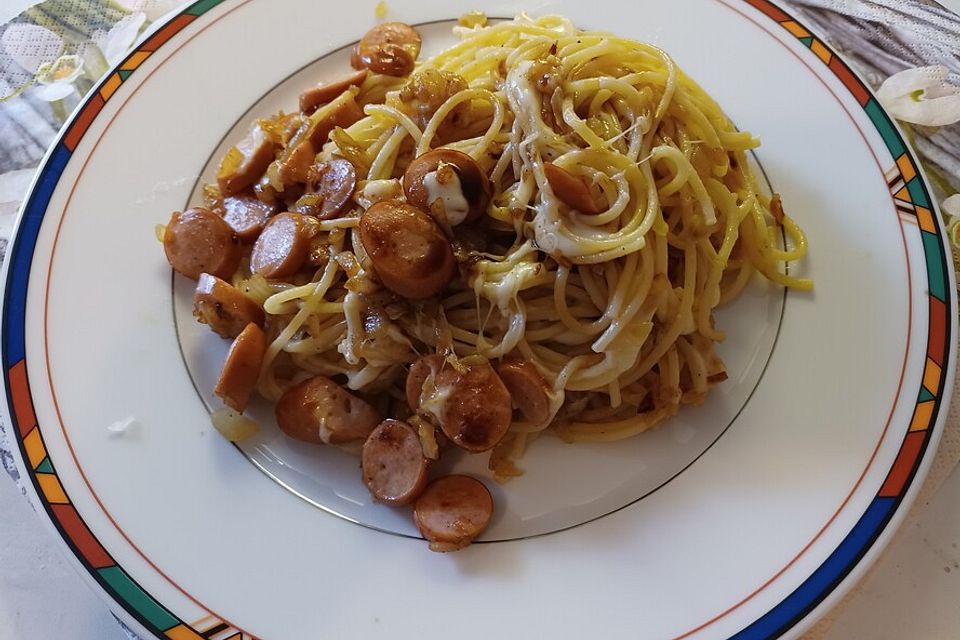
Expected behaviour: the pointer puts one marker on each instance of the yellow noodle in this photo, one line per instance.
(615, 310)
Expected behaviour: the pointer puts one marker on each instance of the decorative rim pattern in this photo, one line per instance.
(908, 191)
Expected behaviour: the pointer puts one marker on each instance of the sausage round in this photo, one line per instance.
(244, 163)
(474, 406)
(338, 179)
(242, 368)
(473, 181)
(390, 48)
(199, 241)
(409, 251)
(453, 511)
(343, 116)
(394, 467)
(223, 307)
(527, 388)
(282, 247)
(315, 97)
(295, 164)
(319, 410)
(247, 216)
(570, 189)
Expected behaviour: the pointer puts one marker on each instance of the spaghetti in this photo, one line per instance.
(622, 212)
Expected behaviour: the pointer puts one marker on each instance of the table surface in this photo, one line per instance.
(912, 592)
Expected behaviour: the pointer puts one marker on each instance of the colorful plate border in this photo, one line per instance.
(908, 191)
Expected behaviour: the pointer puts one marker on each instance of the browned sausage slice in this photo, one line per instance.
(475, 410)
(223, 307)
(244, 163)
(338, 180)
(527, 388)
(315, 97)
(199, 241)
(409, 251)
(242, 368)
(573, 191)
(453, 511)
(417, 376)
(294, 166)
(246, 215)
(319, 410)
(474, 183)
(390, 48)
(343, 116)
(282, 248)
(394, 468)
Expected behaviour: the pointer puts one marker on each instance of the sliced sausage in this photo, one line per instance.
(319, 410)
(394, 467)
(223, 307)
(409, 251)
(417, 376)
(199, 241)
(573, 191)
(338, 180)
(343, 116)
(315, 97)
(282, 248)
(297, 161)
(390, 48)
(242, 368)
(473, 182)
(246, 215)
(244, 163)
(294, 166)
(527, 388)
(472, 406)
(453, 511)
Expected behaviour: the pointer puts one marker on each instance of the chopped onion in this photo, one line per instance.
(473, 19)
(160, 230)
(428, 437)
(232, 425)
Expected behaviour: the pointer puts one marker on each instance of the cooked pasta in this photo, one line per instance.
(622, 211)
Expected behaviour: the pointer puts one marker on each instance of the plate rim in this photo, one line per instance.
(843, 566)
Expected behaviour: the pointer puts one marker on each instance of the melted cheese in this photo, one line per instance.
(434, 397)
(525, 102)
(455, 205)
(375, 191)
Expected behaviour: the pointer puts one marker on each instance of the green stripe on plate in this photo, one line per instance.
(917, 193)
(887, 131)
(935, 274)
(201, 7)
(138, 598)
(45, 466)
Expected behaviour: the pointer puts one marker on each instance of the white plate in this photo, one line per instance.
(742, 518)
